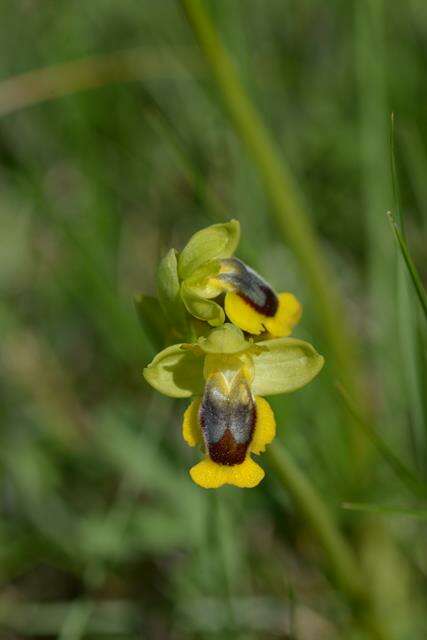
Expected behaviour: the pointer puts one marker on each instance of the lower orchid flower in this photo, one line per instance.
(228, 377)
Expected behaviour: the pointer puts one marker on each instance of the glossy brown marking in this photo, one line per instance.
(227, 418)
(227, 451)
(270, 306)
(249, 286)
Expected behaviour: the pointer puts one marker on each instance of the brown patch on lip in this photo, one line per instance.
(227, 451)
(250, 287)
(227, 418)
(269, 308)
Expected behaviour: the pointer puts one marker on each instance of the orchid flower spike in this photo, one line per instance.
(228, 376)
(208, 282)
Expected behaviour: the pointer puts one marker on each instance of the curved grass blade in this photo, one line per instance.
(405, 475)
(52, 82)
(412, 270)
(393, 170)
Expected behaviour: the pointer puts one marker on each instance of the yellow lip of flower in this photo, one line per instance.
(232, 424)
(251, 303)
(228, 376)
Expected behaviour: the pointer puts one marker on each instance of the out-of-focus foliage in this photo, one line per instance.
(102, 533)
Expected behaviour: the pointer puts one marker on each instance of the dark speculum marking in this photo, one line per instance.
(250, 287)
(227, 451)
(227, 418)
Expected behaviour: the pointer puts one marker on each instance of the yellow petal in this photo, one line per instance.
(242, 314)
(265, 426)
(287, 316)
(191, 431)
(210, 475)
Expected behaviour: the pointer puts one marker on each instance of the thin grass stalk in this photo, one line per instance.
(288, 211)
(415, 485)
(408, 319)
(55, 81)
(341, 557)
(412, 270)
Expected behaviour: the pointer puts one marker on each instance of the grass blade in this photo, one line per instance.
(288, 210)
(341, 557)
(314, 510)
(405, 475)
(393, 169)
(408, 327)
(393, 511)
(53, 82)
(412, 270)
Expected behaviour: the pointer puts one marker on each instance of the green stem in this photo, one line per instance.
(341, 557)
(288, 210)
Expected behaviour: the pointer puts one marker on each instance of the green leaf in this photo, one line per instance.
(152, 319)
(200, 307)
(176, 372)
(284, 365)
(214, 242)
(168, 289)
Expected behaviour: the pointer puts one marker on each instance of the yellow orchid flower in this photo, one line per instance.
(228, 377)
(251, 304)
(208, 282)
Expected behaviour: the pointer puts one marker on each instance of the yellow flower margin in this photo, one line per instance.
(211, 475)
(249, 319)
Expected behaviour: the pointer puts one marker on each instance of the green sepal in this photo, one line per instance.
(284, 365)
(152, 319)
(202, 281)
(225, 339)
(177, 371)
(202, 308)
(214, 242)
(168, 289)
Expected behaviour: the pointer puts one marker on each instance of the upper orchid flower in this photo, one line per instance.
(228, 376)
(194, 280)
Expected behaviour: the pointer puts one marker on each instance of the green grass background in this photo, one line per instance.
(102, 533)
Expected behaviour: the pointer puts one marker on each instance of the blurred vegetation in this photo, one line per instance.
(114, 146)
